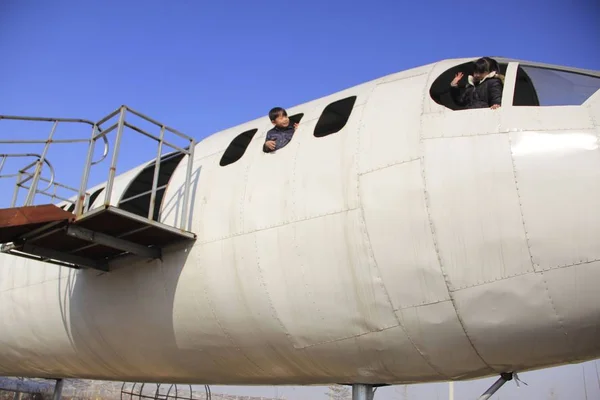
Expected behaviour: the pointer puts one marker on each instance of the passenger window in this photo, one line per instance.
(537, 86)
(136, 199)
(334, 117)
(294, 119)
(440, 89)
(93, 197)
(237, 147)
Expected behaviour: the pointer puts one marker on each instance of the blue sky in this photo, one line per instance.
(205, 66)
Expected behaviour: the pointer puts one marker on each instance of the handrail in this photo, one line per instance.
(46, 119)
(61, 141)
(26, 174)
(39, 157)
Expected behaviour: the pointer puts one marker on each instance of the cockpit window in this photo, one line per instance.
(537, 86)
(440, 89)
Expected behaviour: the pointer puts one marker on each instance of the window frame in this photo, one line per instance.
(299, 116)
(448, 74)
(353, 98)
(515, 68)
(247, 131)
(137, 179)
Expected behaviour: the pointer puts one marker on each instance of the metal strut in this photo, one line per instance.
(58, 388)
(504, 377)
(362, 392)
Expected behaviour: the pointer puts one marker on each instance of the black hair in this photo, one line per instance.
(276, 112)
(486, 64)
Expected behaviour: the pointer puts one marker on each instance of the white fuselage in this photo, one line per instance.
(416, 244)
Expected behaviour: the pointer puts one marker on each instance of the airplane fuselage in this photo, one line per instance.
(416, 244)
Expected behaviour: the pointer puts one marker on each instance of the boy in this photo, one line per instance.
(281, 134)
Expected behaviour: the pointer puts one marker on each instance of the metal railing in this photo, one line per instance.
(24, 175)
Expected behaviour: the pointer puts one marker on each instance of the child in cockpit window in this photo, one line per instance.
(484, 87)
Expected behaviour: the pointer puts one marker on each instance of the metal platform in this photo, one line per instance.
(81, 236)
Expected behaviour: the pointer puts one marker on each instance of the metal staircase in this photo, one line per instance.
(81, 233)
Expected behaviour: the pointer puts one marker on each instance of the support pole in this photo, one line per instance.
(504, 377)
(18, 396)
(58, 389)
(115, 156)
(362, 392)
(38, 168)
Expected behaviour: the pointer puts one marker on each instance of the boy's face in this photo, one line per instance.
(282, 121)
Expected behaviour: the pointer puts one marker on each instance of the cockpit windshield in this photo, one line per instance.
(537, 86)
(534, 86)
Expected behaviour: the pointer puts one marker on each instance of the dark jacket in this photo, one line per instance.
(481, 95)
(282, 136)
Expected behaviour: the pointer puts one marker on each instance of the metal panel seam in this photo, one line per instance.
(387, 295)
(225, 332)
(421, 305)
(440, 263)
(593, 120)
(514, 170)
(277, 225)
(359, 131)
(456, 289)
(582, 262)
(243, 197)
(293, 182)
(351, 337)
(433, 236)
(264, 285)
(392, 164)
(302, 269)
(403, 77)
(31, 284)
(533, 265)
(560, 320)
(367, 240)
(464, 136)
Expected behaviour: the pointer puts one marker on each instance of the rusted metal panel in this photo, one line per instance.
(118, 226)
(18, 221)
(90, 241)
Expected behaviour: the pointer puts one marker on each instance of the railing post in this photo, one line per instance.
(13, 203)
(80, 202)
(156, 174)
(186, 192)
(38, 168)
(113, 164)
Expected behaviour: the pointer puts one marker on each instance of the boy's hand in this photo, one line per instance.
(295, 126)
(495, 106)
(456, 79)
(270, 144)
